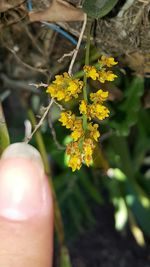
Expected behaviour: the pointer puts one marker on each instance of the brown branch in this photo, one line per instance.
(25, 64)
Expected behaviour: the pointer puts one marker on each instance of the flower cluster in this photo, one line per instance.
(96, 109)
(81, 148)
(65, 87)
(99, 71)
(84, 133)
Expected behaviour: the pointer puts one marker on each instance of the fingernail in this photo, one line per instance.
(22, 150)
(24, 190)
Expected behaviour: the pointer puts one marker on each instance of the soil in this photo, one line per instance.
(104, 247)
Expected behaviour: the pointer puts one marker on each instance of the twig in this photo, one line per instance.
(17, 85)
(25, 64)
(37, 85)
(60, 106)
(27, 139)
(144, 1)
(66, 55)
(32, 38)
(28, 128)
(58, 145)
(78, 45)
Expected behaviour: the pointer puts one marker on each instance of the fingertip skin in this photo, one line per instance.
(26, 214)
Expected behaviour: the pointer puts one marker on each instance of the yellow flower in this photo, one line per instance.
(74, 87)
(106, 76)
(91, 72)
(99, 97)
(102, 76)
(98, 111)
(94, 133)
(67, 119)
(88, 147)
(107, 61)
(110, 76)
(75, 162)
(83, 107)
(60, 95)
(75, 158)
(65, 87)
(77, 130)
(59, 79)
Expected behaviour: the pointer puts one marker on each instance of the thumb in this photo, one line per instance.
(26, 213)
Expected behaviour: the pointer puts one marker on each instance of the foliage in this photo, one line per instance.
(129, 108)
(98, 8)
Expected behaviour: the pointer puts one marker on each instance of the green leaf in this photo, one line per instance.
(117, 198)
(140, 205)
(90, 188)
(82, 202)
(98, 8)
(75, 214)
(4, 136)
(129, 108)
(64, 257)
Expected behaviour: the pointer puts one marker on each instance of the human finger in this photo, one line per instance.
(26, 210)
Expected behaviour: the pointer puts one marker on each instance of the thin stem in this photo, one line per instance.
(57, 213)
(4, 135)
(78, 45)
(87, 56)
(40, 122)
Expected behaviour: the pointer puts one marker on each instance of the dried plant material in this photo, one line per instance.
(58, 11)
(5, 5)
(139, 62)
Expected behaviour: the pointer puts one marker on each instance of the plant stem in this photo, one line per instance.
(4, 135)
(57, 213)
(87, 56)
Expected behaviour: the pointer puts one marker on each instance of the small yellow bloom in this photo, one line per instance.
(51, 89)
(106, 76)
(74, 88)
(75, 135)
(88, 147)
(99, 111)
(102, 76)
(94, 133)
(58, 79)
(110, 76)
(65, 87)
(67, 119)
(75, 157)
(107, 61)
(60, 95)
(77, 130)
(91, 72)
(83, 107)
(99, 97)
(75, 162)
